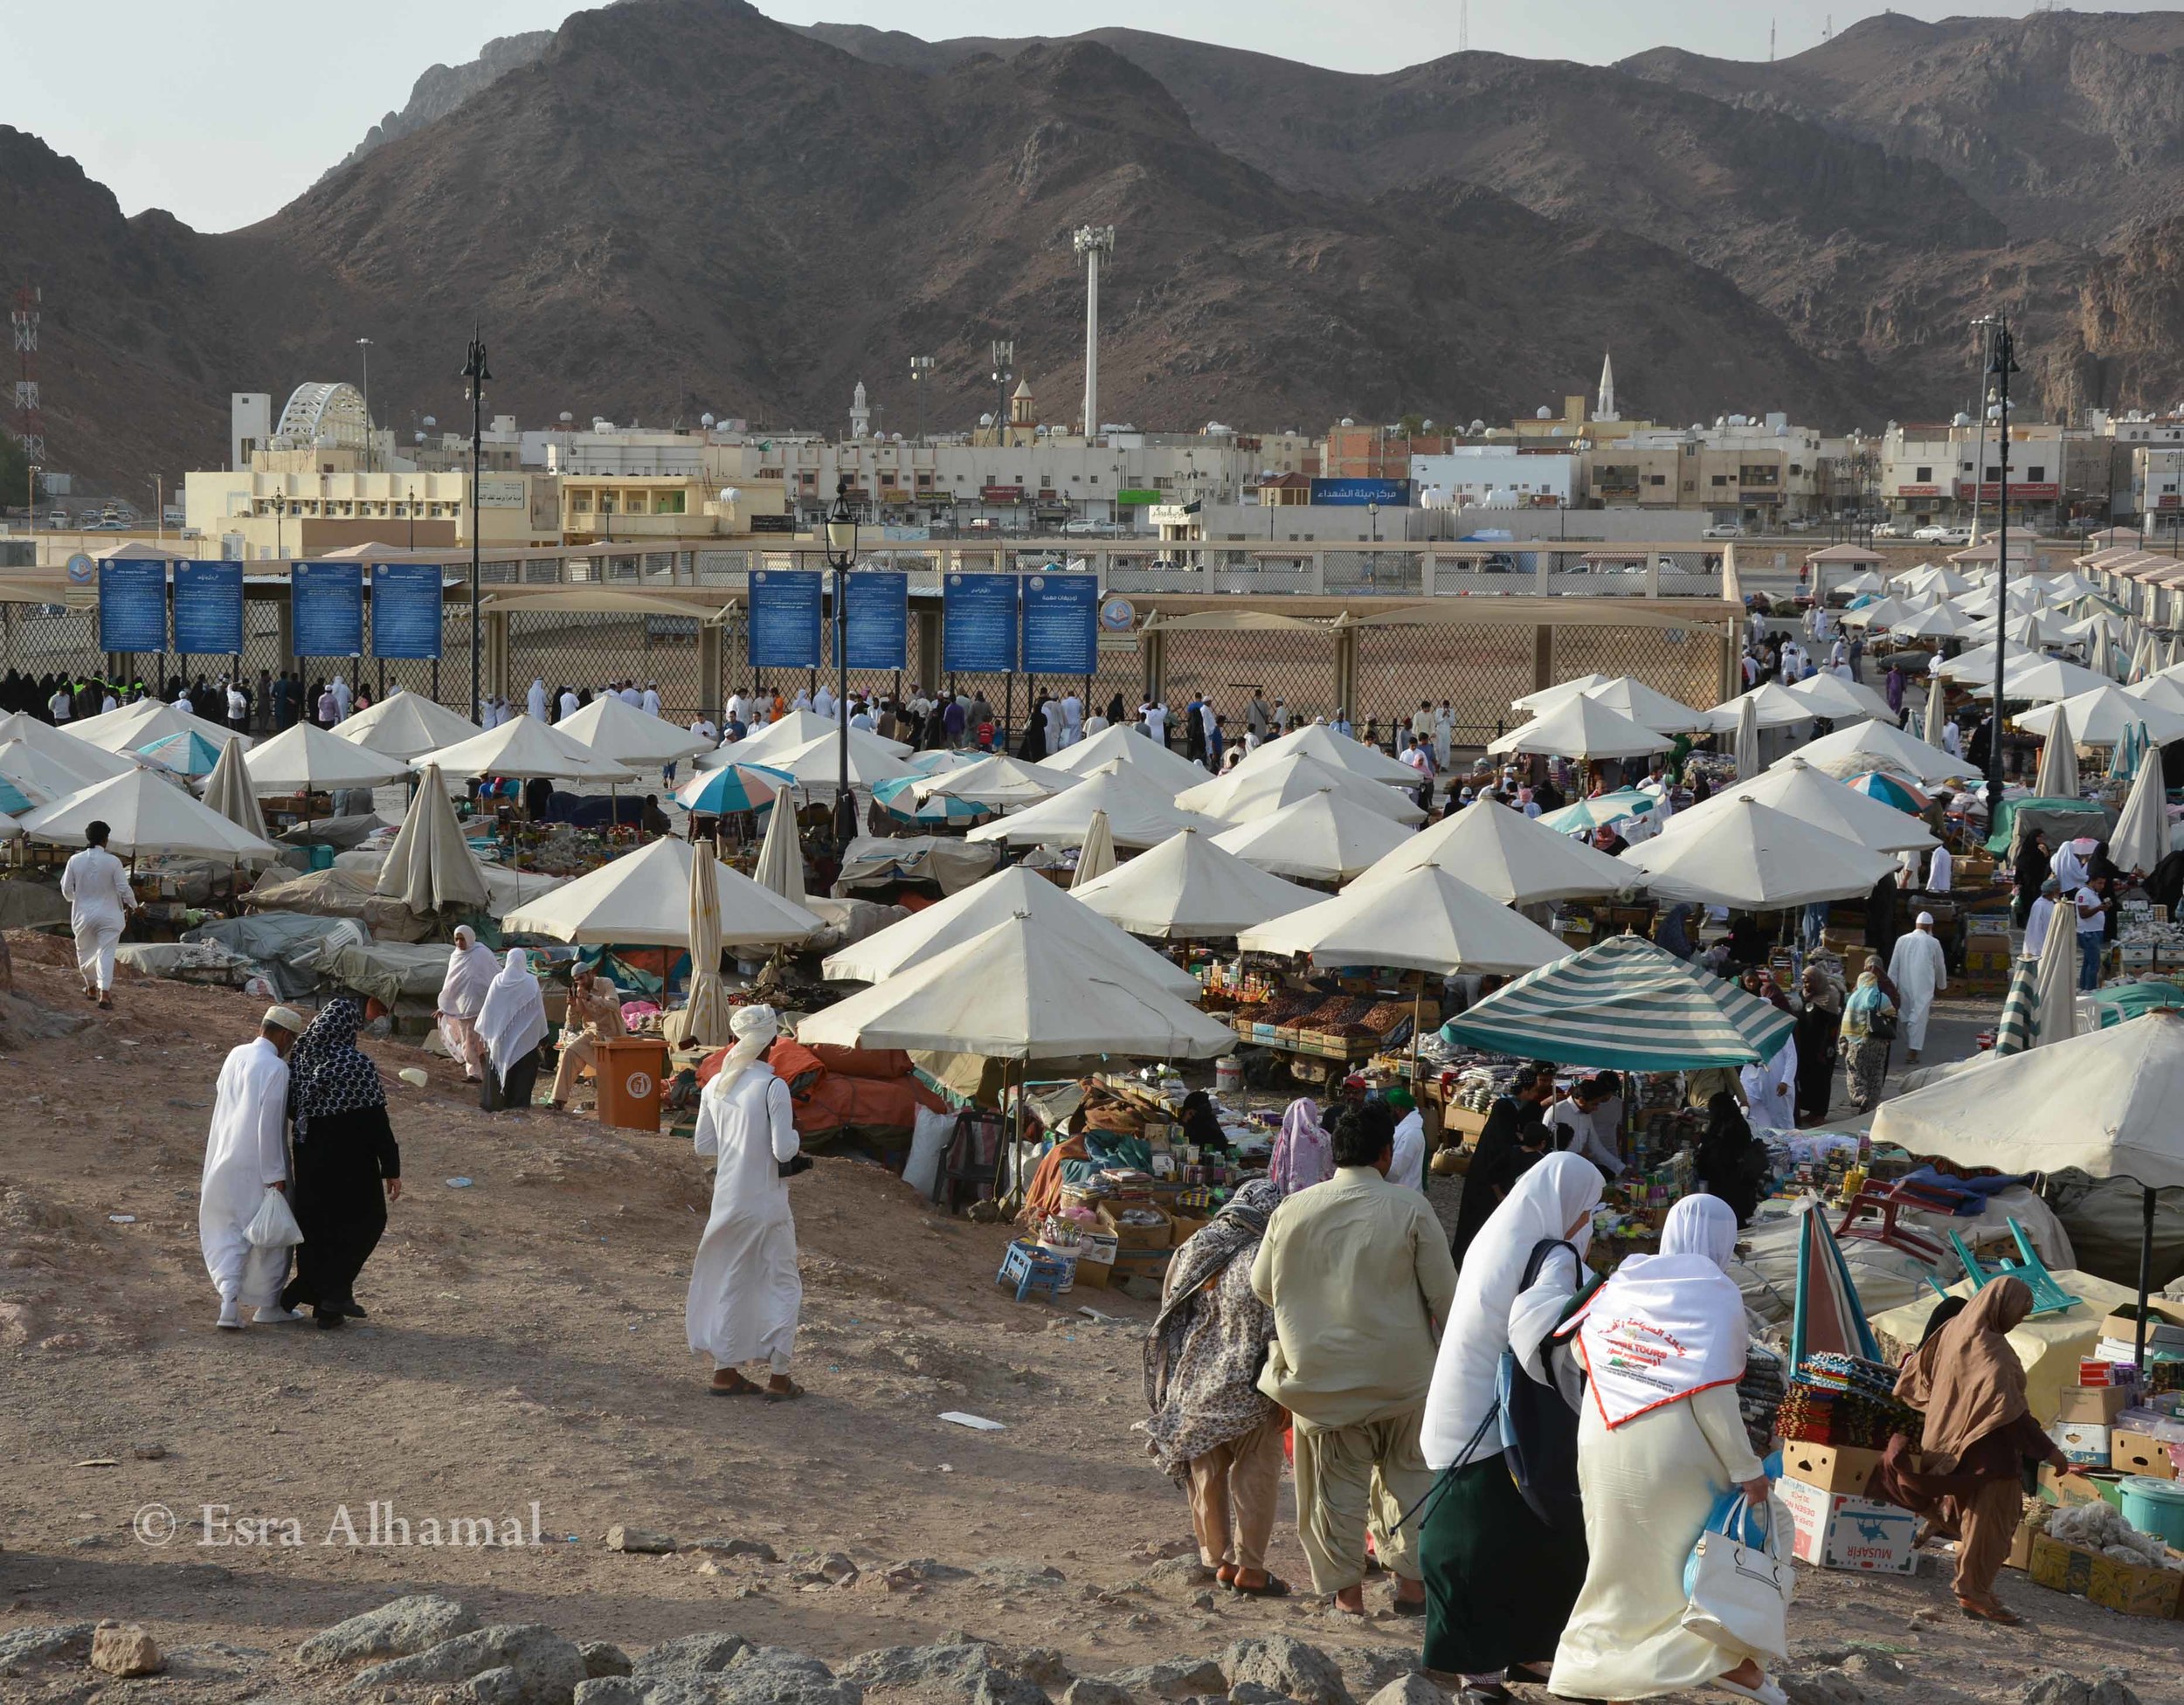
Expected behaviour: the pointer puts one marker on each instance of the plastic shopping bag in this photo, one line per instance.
(274, 1226)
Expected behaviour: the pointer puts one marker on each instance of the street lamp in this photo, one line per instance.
(841, 551)
(2000, 364)
(278, 504)
(476, 374)
(1373, 510)
(364, 343)
(921, 371)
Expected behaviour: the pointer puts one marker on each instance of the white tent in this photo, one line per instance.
(1648, 706)
(619, 732)
(2140, 840)
(1757, 858)
(2166, 691)
(1977, 664)
(42, 779)
(1547, 698)
(2102, 716)
(816, 764)
(1187, 888)
(1931, 578)
(1506, 856)
(797, 728)
(131, 726)
(429, 864)
(1879, 745)
(1014, 892)
(145, 814)
(1579, 728)
(1320, 839)
(1424, 920)
(1774, 705)
(1813, 797)
(1871, 581)
(77, 757)
(997, 780)
(406, 725)
(643, 900)
(1138, 813)
(1841, 700)
(2043, 679)
(305, 758)
(1245, 793)
(228, 791)
(1316, 740)
(1117, 741)
(525, 748)
(1020, 991)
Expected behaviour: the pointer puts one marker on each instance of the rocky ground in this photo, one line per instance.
(235, 1497)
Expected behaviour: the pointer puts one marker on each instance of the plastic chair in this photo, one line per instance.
(971, 1170)
(1887, 1201)
(2048, 1295)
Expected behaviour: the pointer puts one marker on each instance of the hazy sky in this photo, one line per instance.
(221, 111)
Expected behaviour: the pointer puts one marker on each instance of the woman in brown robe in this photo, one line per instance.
(1979, 1431)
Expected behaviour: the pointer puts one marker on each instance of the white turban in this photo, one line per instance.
(754, 1028)
(749, 1020)
(1925, 919)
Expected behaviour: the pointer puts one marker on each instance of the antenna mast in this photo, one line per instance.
(29, 421)
(1463, 26)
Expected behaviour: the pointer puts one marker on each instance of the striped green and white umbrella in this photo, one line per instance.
(1589, 814)
(1625, 1005)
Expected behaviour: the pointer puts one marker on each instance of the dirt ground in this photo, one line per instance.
(526, 1354)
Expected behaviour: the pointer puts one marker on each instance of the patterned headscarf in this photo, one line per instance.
(328, 1073)
(1205, 1255)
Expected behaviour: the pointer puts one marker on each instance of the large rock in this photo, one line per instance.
(768, 1675)
(1822, 1687)
(1289, 1667)
(1090, 1690)
(1175, 1678)
(754, 1675)
(1175, 1577)
(1413, 1690)
(2111, 1692)
(394, 1630)
(546, 1668)
(2054, 1687)
(602, 1657)
(999, 1686)
(693, 1654)
(959, 1666)
(123, 1648)
(56, 1642)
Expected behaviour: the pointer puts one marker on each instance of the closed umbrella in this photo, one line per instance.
(705, 1014)
(2142, 838)
(2058, 760)
(780, 866)
(2054, 992)
(1096, 857)
(429, 864)
(1759, 859)
(2102, 661)
(1937, 714)
(1744, 750)
(229, 793)
(2144, 661)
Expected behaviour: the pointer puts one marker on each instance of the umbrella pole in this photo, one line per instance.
(2146, 1277)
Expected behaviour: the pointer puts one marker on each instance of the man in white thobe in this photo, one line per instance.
(2040, 916)
(244, 1156)
(100, 902)
(343, 698)
(1953, 738)
(538, 701)
(1408, 1167)
(569, 705)
(745, 1294)
(1771, 1087)
(1940, 870)
(648, 702)
(1072, 718)
(823, 701)
(1918, 970)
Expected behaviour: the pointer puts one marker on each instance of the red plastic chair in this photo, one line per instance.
(1886, 1202)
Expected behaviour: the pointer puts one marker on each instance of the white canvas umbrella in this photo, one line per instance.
(1838, 700)
(1859, 584)
(2141, 837)
(1506, 856)
(1316, 740)
(2058, 775)
(1940, 623)
(1744, 749)
(995, 782)
(2166, 691)
(1119, 742)
(1020, 991)
(145, 814)
(1774, 704)
(1096, 857)
(429, 864)
(406, 725)
(1879, 614)
(2042, 679)
(1757, 860)
(816, 764)
(1245, 793)
(1138, 814)
(1815, 798)
(621, 732)
(1320, 839)
(643, 900)
(305, 758)
(1425, 920)
(1977, 664)
(798, 728)
(2103, 660)
(780, 866)
(1879, 745)
(228, 791)
(1533, 704)
(2055, 989)
(971, 912)
(131, 726)
(1188, 889)
(1649, 708)
(2144, 663)
(1937, 715)
(527, 749)
(1580, 728)
(75, 757)
(2104, 716)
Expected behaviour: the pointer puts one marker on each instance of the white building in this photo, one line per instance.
(1497, 476)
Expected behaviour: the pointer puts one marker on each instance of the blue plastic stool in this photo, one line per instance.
(1030, 1268)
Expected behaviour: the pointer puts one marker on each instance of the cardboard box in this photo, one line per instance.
(2029, 1527)
(2116, 1586)
(1834, 1531)
(1138, 1236)
(1831, 1467)
(2150, 1422)
(2165, 1326)
(1092, 1273)
(2068, 1487)
(2084, 1443)
(2132, 1453)
(2092, 1405)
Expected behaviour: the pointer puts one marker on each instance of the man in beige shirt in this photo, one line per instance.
(1357, 1273)
(595, 1015)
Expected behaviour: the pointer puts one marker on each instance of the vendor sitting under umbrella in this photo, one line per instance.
(594, 1016)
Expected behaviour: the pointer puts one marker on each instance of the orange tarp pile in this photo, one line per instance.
(836, 1089)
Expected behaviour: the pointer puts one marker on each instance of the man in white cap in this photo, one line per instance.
(1919, 971)
(244, 1156)
(100, 902)
(745, 1294)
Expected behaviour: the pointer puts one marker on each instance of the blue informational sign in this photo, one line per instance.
(208, 609)
(325, 609)
(1356, 494)
(1062, 621)
(132, 606)
(877, 607)
(784, 618)
(978, 623)
(406, 609)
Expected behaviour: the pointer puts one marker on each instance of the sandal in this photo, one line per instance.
(789, 1394)
(1274, 1588)
(1407, 1606)
(1997, 1612)
(741, 1387)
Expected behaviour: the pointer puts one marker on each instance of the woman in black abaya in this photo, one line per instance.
(347, 1166)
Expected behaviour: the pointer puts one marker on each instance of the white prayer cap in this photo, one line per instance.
(1925, 919)
(284, 1017)
(754, 1020)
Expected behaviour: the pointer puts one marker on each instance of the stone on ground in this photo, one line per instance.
(118, 1648)
(395, 1630)
(545, 1668)
(1290, 1667)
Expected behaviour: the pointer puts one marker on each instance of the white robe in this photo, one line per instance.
(1774, 1111)
(745, 1294)
(243, 1154)
(1919, 972)
(538, 701)
(96, 886)
(1408, 1167)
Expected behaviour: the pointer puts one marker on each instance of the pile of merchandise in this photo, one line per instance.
(1760, 1394)
(1845, 1400)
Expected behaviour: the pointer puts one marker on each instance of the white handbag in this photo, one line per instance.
(274, 1226)
(1739, 1593)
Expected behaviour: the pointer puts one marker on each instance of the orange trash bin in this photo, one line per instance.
(629, 1071)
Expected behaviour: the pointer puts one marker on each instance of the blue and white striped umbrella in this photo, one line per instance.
(187, 754)
(1589, 814)
(897, 799)
(733, 787)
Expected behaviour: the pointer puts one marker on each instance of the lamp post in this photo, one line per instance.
(921, 372)
(476, 374)
(2000, 364)
(278, 504)
(364, 344)
(841, 551)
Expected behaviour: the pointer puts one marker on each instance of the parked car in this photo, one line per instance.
(1932, 534)
(1893, 530)
(1723, 529)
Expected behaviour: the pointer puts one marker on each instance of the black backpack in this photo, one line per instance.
(1539, 1429)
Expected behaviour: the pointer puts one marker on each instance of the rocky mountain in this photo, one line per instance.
(443, 88)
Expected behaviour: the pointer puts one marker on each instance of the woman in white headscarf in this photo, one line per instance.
(745, 1294)
(1499, 1581)
(1658, 1441)
(511, 1023)
(471, 969)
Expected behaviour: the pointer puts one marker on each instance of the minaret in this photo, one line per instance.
(1092, 242)
(860, 415)
(1604, 408)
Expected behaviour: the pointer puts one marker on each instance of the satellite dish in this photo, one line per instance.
(1347, 421)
